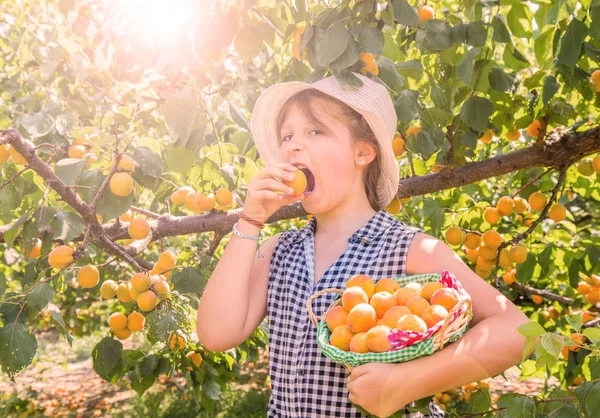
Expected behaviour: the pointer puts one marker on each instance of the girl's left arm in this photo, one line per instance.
(491, 345)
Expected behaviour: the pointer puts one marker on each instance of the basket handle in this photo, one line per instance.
(314, 318)
(446, 323)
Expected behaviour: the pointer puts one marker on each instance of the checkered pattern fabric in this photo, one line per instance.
(305, 383)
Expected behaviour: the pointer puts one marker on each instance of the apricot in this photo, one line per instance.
(108, 289)
(514, 134)
(121, 184)
(520, 204)
(203, 203)
(167, 259)
(583, 288)
(537, 299)
(196, 358)
(417, 304)
(138, 229)
(370, 64)
(577, 340)
(127, 216)
(161, 287)
(36, 251)
(472, 255)
(382, 301)
(484, 274)
(429, 289)
(358, 343)
(353, 296)
(60, 256)
(398, 145)
(487, 137)
(336, 316)
(518, 253)
(377, 339)
(298, 183)
(491, 215)
(122, 334)
(505, 205)
(415, 286)
(586, 167)
(76, 151)
(124, 292)
(341, 336)
(558, 212)
(176, 341)
(126, 164)
(486, 265)
(488, 253)
(587, 316)
(404, 294)
(472, 240)
(392, 315)
(434, 314)
(455, 236)
(596, 161)
(425, 13)
(4, 152)
(537, 201)
(362, 318)
(411, 322)
(224, 197)
(534, 128)
(593, 296)
(491, 239)
(147, 300)
(178, 196)
(505, 260)
(88, 276)
(140, 282)
(133, 293)
(446, 297)
(393, 207)
(387, 285)
(365, 282)
(413, 130)
(16, 155)
(117, 321)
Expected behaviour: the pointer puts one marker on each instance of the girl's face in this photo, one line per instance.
(328, 152)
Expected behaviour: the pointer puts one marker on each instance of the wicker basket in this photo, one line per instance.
(407, 345)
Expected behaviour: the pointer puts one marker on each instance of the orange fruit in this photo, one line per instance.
(340, 337)
(392, 315)
(36, 251)
(117, 321)
(377, 339)
(472, 255)
(537, 299)
(394, 206)
(411, 322)
(491, 239)
(4, 152)
(520, 204)
(126, 164)
(491, 215)
(505, 205)
(382, 301)
(370, 64)
(398, 145)
(404, 294)
(179, 196)
(336, 316)
(484, 274)
(224, 197)
(108, 290)
(417, 304)
(124, 292)
(537, 201)
(362, 318)
(414, 286)
(298, 183)
(488, 253)
(425, 13)
(204, 203)
(127, 216)
(76, 151)
(593, 296)
(365, 282)
(147, 300)
(514, 134)
(195, 357)
(434, 314)
(353, 296)
(122, 334)
(88, 276)
(510, 276)
(534, 128)
(138, 228)
(518, 253)
(488, 136)
(429, 289)
(121, 184)
(455, 236)
(135, 321)
(387, 285)
(161, 287)
(358, 343)
(583, 288)
(504, 259)
(176, 341)
(557, 212)
(595, 78)
(575, 340)
(413, 130)
(472, 240)
(16, 155)
(60, 256)
(486, 265)
(446, 297)
(166, 259)
(140, 282)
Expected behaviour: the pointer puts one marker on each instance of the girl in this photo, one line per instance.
(341, 138)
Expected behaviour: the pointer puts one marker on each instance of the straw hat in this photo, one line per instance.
(371, 100)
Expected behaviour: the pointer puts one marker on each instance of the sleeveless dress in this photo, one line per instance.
(304, 382)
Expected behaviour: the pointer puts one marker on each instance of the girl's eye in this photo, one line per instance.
(316, 130)
(284, 138)
(288, 137)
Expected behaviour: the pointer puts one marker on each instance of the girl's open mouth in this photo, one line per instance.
(310, 179)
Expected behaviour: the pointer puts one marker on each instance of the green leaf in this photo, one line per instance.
(9, 200)
(593, 334)
(188, 280)
(211, 389)
(39, 296)
(106, 357)
(438, 34)
(37, 124)
(514, 59)
(572, 42)
(5, 121)
(388, 73)
(479, 402)
(348, 58)
(575, 321)
(111, 206)
(334, 44)
(411, 68)
(520, 19)
(553, 343)
(180, 112)
(540, 46)
(57, 317)
(238, 116)
(407, 105)
(588, 395)
(371, 40)
(404, 13)
(424, 145)
(2, 283)
(15, 229)
(464, 68)
(69, 170)
(148, 161)
(531, 329)
(500, 29)
(477, 33)
(501, 81)
(476, 112)
(18, 347)
(248, 42)
(67, 226)
(525, 270)
(521, 407)
(594, 27)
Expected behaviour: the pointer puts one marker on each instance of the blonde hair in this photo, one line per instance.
(358, 127)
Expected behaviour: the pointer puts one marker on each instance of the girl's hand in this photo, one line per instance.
(262, 200)
(376, 388)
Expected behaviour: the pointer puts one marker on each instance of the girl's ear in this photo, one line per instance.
(365, 153)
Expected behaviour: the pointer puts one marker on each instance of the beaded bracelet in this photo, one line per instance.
(241, 235)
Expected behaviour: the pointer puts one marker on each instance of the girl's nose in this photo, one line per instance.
(296, 143)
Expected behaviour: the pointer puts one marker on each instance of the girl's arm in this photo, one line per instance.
(234, 301)
(492, 343)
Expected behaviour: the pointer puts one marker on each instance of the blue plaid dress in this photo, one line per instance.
(304, 382)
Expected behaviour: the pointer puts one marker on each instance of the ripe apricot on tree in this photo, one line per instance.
(135, 321)
(518, 253)
(166, 259)
(473, 255)
(485, 265)
(224, 197)
(583, 288)
(513, 135)
(203, 203)
(195, 357)
(491, 215)
(520, 204)
(117, 321)
(127, 216)
(370, 64)
(413, 130)
(537, 201)
(362, 318)
(537, 299)
(472, 240)
(398, 145)
(585, 167)
(446, 297)
(365, 282)
(394, 206)
(487, 137)
(484, 274)
(88, 276)
(4, 152)
(108, 290)
(122, 334)
(596, 163)
(126, 164)
(121, 184)
(593, 296)
(176, 341)
(352, 296)
(36, 251)
(510, 276)
(16, 155)
(178, 196)
(534, 128)
(138, 229)
(340, 337)
(147, 300)
(505, 205)
(161, 288)
(336, 316)
(140, 282)
(558, 212)
(425, 13)
(455, 236)
(124, 292)
(60, 256)
(505, 260)
(491, 239)
(576, 340)
(76, 151)
(487, 253)
(411, 322)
